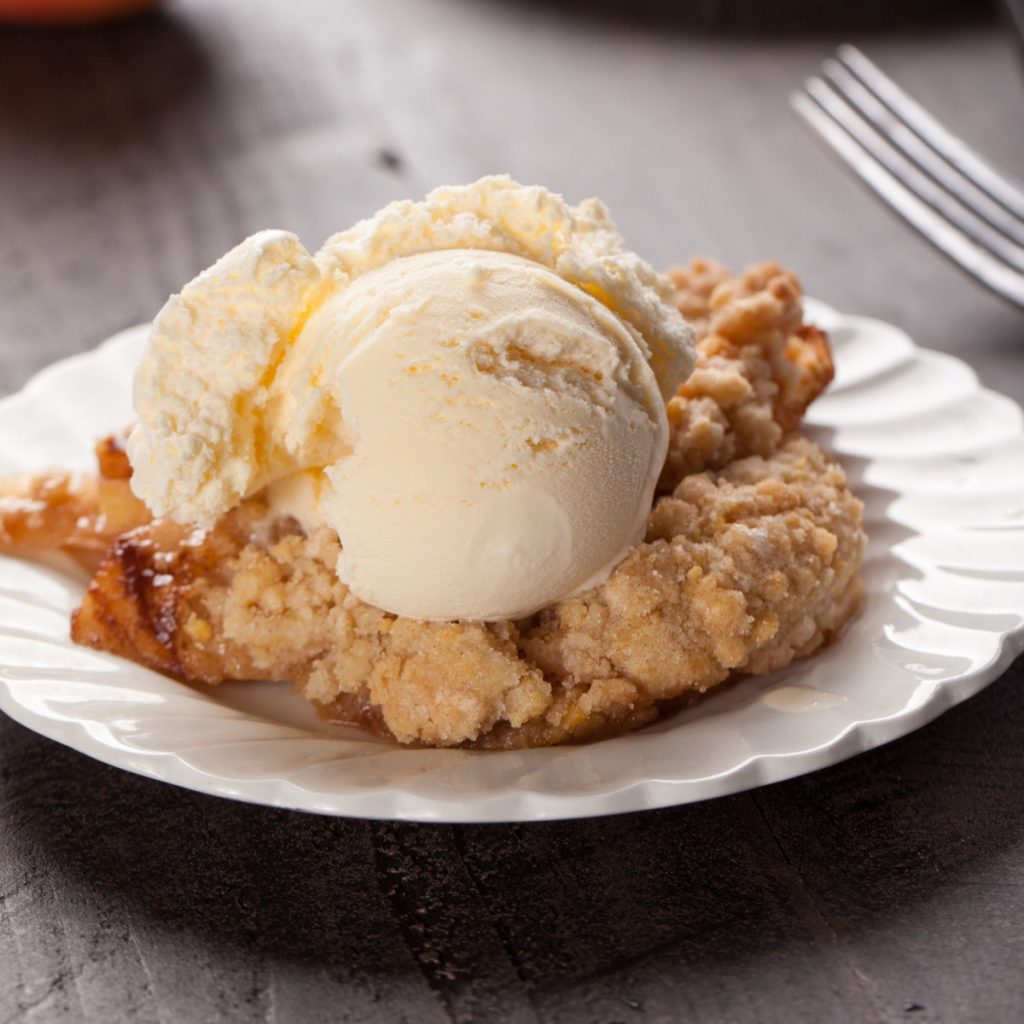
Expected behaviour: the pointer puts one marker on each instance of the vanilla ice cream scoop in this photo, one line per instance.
(469, 390)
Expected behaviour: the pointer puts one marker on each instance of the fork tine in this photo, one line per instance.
(886, 154)
(908, 142)
(944, 142)
(952, 242)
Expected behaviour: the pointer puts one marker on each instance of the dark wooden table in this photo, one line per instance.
(887, 888)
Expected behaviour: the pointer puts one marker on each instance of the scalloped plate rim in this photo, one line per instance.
(523, 803)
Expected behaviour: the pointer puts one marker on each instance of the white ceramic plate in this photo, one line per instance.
(938, 461)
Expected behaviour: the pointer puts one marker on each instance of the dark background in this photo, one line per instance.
(887, 888)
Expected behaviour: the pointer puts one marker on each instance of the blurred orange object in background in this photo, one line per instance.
(69, 12)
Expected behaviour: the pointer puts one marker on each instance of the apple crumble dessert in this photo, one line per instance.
(748, 558)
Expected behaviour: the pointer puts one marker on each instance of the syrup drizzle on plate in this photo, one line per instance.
(798, 699)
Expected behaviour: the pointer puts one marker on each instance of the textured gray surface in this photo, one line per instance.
(887, 888)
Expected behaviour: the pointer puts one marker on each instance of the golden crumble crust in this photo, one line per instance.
(759, 366)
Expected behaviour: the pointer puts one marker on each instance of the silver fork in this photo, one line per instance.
(965, 208)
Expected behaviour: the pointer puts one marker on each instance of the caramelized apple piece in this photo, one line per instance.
(75, 512)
